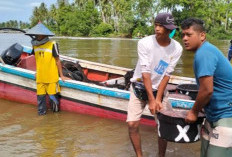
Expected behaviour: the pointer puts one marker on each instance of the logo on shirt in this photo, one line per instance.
(214, 135)
(41, 54)
(161, 67)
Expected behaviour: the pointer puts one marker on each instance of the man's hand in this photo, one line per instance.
(159, 105)
(63, 78)
(191, 116)
(152, 106)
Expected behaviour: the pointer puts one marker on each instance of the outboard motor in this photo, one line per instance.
(12, 54)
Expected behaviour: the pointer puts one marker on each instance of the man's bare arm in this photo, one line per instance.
(203, 97)
(148, 85)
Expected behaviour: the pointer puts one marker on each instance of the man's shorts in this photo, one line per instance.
(217, 138)
(136, 106)
(48, 88)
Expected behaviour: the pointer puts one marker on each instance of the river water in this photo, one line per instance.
(25, 134)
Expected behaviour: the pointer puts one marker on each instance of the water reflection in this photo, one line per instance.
(108, 51)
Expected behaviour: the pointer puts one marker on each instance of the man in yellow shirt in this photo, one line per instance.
(48, 67)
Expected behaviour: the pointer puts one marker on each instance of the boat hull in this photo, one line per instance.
(18, 84)
(24, 95)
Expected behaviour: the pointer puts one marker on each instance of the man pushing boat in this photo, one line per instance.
(48, 67)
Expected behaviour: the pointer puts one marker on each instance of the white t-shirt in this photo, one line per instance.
(156, 59)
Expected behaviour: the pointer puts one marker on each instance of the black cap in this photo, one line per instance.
(166, 20)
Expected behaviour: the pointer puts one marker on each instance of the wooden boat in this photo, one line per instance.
(17, 83)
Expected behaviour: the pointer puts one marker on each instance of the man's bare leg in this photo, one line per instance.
(162, 145)
(133, 128)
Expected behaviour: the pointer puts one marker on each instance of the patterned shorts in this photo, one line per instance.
(217, 138)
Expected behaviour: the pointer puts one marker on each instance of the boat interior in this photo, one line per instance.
(80, 70)
(72, 68)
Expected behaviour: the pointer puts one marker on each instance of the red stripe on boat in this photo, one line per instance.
(27, 96)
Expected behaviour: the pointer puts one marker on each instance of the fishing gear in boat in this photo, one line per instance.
(127, 78)
(75, 72)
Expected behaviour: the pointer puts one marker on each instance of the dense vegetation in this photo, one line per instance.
(15, 24)
(128, 18)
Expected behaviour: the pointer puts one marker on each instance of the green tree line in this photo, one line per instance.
(15, 24)
(130, 18)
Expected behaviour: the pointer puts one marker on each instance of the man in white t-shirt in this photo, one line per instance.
(157, 57)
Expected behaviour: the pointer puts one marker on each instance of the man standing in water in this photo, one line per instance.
(213, 74)
(48, 67)
(157, 57)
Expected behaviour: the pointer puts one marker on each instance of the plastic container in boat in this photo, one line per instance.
(171, 123)
(172, 127)
(188, 89)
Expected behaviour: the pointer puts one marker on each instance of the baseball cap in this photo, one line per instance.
(166, 20)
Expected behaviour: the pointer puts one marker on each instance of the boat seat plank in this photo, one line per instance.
(120, 80)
